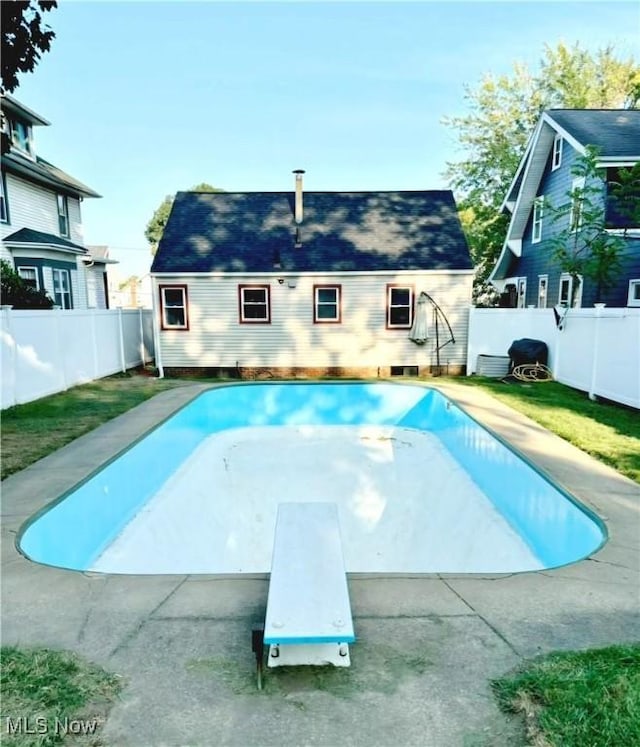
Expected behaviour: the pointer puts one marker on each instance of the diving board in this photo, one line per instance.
(308, 618)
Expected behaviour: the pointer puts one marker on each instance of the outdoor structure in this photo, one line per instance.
(312, 283)
(526, 272)
(41, 222)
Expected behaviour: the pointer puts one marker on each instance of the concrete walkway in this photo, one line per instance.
(427, 647)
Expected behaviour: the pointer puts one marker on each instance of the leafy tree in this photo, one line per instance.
(155, 226)
(25, 38)
(583, 247)
(15, 292)
(503, 112)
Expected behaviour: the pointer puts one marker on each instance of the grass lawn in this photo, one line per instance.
(31, 431)
(609, 432)
(48, 694)
(577, 699)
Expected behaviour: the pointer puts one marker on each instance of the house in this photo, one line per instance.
(526, 272)
(40, 218)
(312, 283)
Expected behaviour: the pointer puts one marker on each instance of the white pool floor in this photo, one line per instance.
(405, 505)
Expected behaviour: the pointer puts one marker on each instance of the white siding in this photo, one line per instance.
(216, 338)
(33, 206)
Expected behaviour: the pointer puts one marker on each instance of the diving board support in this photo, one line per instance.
(308, 618)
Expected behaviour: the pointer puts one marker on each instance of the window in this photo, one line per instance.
(255, 305)
(30, 276)
(63, 215)
(577, 199)
(557, 153)
(634, 293)
(543, 284)
(326, 304)
(536, 229)
(61, 288)
(21, 136)
(522, 293)
(173, 307)
(399, 307)
(566, 291)
(4, 207)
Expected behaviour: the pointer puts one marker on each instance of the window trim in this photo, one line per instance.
(63, 214)
(337, 303)
(521, 282)
(542, 278)
(54, 270)
(401, 286)
(538, 214)
(556, 159)
(578, 303)
(35, 271)
(13, 126)
(241, 302)
(4, 200)
(185, 298)
(631, 301)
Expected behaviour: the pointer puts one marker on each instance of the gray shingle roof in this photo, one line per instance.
(45, 173)
(615, 132)
(340, 231)
(38, 238)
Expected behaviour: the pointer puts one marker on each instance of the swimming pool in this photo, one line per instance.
(420, 486)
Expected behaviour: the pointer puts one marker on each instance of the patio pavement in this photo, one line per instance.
(427, 646)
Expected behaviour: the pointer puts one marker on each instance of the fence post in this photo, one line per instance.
(142, 356)
(94, 340)
(12, 343)
(123, 364)
(60, 356)
(595, 351)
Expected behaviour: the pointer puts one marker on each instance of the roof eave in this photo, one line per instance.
(25, 168)
(44, 245)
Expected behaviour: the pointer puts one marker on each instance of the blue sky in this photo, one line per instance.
(146, 98)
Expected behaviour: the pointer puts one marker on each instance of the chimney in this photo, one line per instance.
(298, 204)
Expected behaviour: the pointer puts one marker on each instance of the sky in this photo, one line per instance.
(147, 98)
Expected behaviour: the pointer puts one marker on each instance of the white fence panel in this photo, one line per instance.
(595, 350)
(43, 352)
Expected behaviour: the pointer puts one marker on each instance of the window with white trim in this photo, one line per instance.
(557, 152)
(30, 276)
(63, 215)
(61, 288)
(173, 307)
(326, 304)
(522, 293)
(4, 207)
(21, 136)
(536, 227)
(543, 285)
(577, 201)
(255, 304)
(565, 291)
(634, 293)
(399, 307)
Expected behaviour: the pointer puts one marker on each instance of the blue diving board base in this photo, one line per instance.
(308, 617)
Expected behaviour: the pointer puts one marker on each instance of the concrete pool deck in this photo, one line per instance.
(427, 646)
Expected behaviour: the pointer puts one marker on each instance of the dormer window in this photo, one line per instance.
(21, 136)
(557, 153)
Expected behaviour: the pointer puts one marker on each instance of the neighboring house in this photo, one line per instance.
(40, 218)
(526, 272)
(318, 283)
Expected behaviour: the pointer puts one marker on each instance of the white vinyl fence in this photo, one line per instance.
(44, 352)
(595, 350)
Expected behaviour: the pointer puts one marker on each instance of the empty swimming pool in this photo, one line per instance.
(420, 488)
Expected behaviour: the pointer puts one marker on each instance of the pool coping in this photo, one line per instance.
(110, 618)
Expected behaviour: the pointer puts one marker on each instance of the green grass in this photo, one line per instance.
(577, 699)
(44, 692)
(606, 431)
(31, 431)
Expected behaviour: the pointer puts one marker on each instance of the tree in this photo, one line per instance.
(583, 247)
(155, 226)
(15, 292)
(503, 112)
(24, 39)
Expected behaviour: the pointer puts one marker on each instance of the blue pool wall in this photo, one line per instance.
(75, 531)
